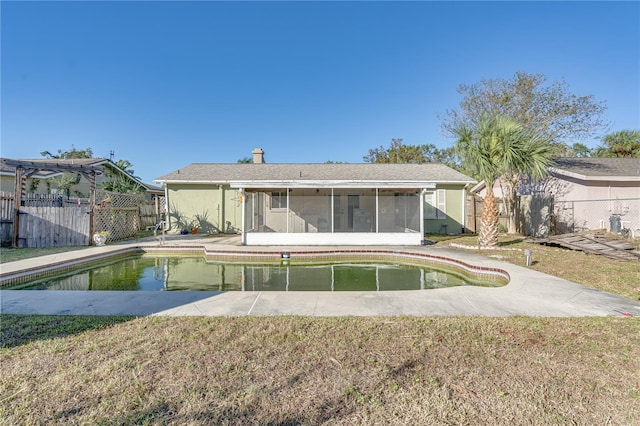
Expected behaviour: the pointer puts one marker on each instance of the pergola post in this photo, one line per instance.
(18, 195)
(91, 177)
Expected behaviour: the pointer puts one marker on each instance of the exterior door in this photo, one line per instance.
(343, 208)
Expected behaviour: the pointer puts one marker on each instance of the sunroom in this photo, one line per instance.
(318, 213)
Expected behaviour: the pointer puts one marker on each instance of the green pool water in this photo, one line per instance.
(157, 273)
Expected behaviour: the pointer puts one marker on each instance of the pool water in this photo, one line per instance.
(158, 273)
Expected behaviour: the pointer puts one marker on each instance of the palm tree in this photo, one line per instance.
(623, 143)
(496, 147)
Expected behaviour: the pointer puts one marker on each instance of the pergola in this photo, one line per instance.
(27, 168)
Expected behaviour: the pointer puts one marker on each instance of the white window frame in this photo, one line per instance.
(435, 204)
(283, 200)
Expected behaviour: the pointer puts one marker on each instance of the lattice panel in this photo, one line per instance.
(117, 200)
(118, 214)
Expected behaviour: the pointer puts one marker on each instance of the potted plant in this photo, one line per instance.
(100, 238)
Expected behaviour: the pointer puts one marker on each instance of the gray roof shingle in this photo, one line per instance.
(224, 173)
(599, 167)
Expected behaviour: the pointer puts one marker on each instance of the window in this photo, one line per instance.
(435, 204)
(279, 200)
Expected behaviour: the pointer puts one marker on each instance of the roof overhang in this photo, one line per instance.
(337, 184)
(561, 172)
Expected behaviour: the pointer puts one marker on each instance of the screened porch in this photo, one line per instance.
(332, 216)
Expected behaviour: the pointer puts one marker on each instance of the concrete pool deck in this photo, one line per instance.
(529, 293)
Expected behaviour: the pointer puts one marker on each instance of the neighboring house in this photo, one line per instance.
(588, 193)
(42, 182)
(317, 204)
(596, 193)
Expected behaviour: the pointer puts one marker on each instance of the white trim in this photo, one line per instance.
(441, 197)
(334, 238)
(377, 209)
(613, 178)
(430, 198)
(421, 207)
(244, 210)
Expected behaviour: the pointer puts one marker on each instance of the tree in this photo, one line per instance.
(66, 180)
(548, 109)
(623, 143)
(498, 147)
(72, 153)
(580, 150)
(245, 160)
(398, 152)
(117, 182)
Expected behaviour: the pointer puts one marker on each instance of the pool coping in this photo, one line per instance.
(528, 293)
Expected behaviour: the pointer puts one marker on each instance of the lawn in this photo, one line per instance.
(295, 370)
(614, 276)
(343, 371)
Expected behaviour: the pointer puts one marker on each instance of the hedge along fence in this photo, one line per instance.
(59, 222)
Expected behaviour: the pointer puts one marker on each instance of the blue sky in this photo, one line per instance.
(165, 84)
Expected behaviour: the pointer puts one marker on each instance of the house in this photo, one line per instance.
(596, 193)
(587, 193)
(43, 180)
(317, 204)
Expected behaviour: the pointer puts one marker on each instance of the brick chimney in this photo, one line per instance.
(258, 156)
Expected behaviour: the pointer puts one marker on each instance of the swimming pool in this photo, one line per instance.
(152, 272)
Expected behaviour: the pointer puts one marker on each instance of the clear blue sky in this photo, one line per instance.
(165, 84)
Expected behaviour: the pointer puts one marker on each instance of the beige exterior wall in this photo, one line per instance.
(570, 189)
(453, 216)
(208, 206)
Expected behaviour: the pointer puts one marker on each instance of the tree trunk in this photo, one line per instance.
(488, 235)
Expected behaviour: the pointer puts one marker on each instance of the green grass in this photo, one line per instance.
(8, 254)
(345, 371)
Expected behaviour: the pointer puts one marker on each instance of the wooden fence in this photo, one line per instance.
(49, 220)
(474, 213)
(54, 226)
(533, 214)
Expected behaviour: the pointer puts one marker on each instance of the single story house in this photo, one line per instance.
(596, 193)
(587, 193)
(43, 182)
(317, 204)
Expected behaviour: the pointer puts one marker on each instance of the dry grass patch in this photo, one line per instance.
(614, 276)
(293, 370)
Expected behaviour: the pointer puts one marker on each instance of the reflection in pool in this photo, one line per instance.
(157, 273)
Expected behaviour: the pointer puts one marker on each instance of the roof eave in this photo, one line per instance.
(574, 175)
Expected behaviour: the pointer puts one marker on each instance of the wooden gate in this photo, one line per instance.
(54, 226)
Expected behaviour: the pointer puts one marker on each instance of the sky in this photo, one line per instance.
(165, 84)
